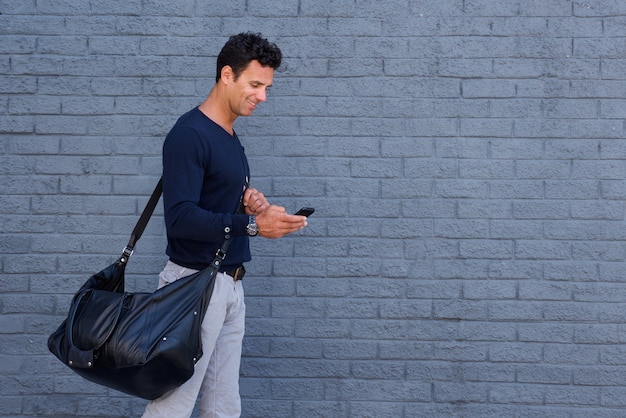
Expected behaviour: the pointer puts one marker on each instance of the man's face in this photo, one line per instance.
(250, 88)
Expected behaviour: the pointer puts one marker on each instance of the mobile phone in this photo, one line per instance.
(305, 211)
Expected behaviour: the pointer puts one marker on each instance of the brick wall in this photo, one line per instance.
(466, 159)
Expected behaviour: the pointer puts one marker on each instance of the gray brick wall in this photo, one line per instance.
(466, 159)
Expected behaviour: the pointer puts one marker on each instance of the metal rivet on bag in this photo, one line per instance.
(71, 363)
(227, 229)
(88, 364)
(195, 313)
(164, 338)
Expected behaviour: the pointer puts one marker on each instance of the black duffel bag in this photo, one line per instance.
(143, 344)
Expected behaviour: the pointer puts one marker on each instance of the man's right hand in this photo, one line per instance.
(275, 222)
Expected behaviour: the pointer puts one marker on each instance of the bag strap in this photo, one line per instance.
(142, 222)
(220, 255)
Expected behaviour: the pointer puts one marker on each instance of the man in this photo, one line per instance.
(206, 197)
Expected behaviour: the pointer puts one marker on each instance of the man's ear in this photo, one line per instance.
(227, 75)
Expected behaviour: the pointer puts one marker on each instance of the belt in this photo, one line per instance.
(236, 273)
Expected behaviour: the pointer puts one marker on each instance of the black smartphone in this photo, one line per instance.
(305, 211)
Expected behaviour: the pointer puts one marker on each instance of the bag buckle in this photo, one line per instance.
(220, 254)
(126, 253)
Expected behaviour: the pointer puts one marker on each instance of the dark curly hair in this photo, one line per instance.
(240, 49)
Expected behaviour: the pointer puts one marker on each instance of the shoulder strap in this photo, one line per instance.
(142, 222)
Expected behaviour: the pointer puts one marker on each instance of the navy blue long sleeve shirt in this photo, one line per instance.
(205, 171)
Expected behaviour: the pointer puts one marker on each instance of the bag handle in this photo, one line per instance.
(80, 358)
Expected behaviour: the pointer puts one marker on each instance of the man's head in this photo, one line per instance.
(241, 49)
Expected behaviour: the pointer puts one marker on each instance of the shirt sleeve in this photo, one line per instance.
(184, 158)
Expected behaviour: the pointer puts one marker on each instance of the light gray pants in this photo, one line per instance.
(216, 376)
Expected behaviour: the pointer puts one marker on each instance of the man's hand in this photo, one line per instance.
(275, 222)
(254, 201)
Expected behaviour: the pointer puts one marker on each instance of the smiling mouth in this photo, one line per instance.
(251, 102)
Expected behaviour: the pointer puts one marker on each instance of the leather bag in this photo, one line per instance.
(142, 344)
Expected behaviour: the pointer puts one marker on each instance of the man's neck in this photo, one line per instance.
(216, 108)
